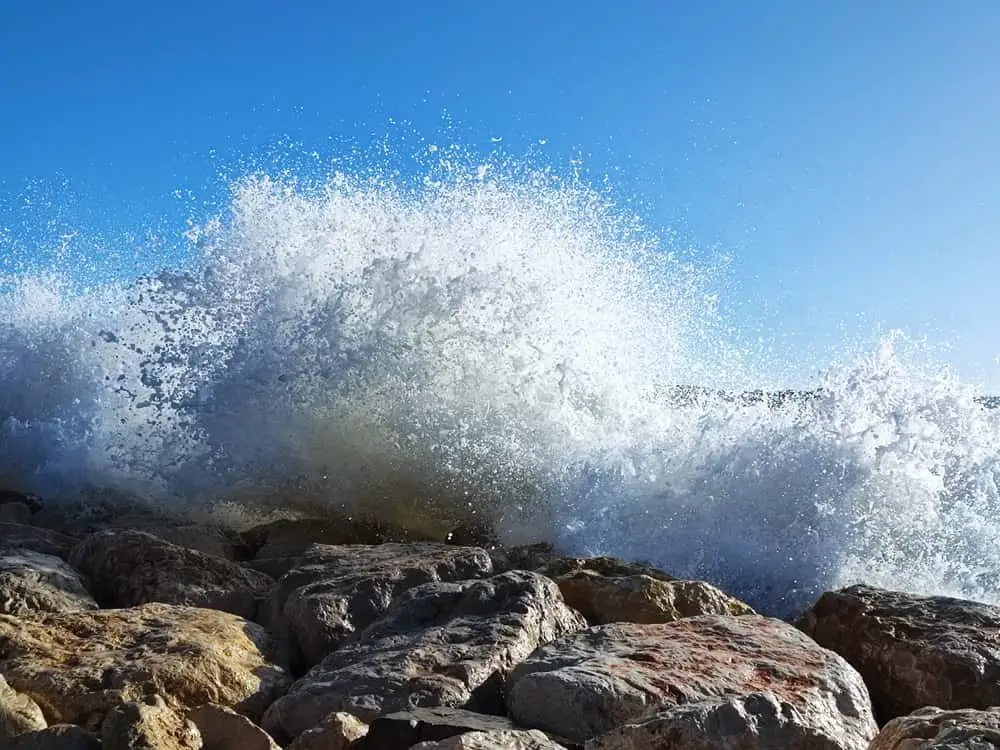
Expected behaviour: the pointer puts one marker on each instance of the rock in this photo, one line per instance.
(78, 666)
(31, 582)
(407, 728)
(587, 684)
(126, 568)
(755, 720)
(10, 497)
(209, 539)
(148, 726)
(338, 731)
(337, 591)
(15, 513)
(290, 538)
(611, 567)
(522, 557)
(18, 713)
(523, 739)
(43, 541)
(222, 728)
(913, 651)
(440, 644)
(642, 599)
(933, 729)
(58, 737)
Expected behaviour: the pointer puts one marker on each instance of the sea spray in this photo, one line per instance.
(494, 345)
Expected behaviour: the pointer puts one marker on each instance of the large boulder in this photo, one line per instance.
(44, 541)
(78, 666)
(222, 728)
(336, 591)
(440, 644)
(58, 737)
(338, 731)
(19, 714)
(407, 728)
(586, 684)
(497, 739)
(913, 651)
(931, 728)
(33, 582)
(148, 725)
(126, 568)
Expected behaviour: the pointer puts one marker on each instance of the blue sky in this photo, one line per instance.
(847, 153)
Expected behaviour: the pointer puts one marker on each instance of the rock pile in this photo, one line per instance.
(131, 631)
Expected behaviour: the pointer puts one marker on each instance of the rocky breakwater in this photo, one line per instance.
(132, 630)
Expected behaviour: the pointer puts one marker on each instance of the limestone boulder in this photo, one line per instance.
(125, 568)
(78, 666)
(57, 737)
(612, 567)
(522, 739)
(148, 725)
(408, 728)
(338, 731)
(337, 591)
(913, 651)
(19, 714)
(440, 644)
(589, 683)
(222, 728)
(931, 728)
(32, 582)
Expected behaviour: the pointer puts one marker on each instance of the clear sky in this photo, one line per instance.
(847, 153)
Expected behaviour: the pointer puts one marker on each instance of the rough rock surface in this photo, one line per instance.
(643, 599)
(18, 713)
(441, 644)
(611, 567)
(756, 720)
(933, 729)
(407, 728)
(222, 728)
(34, 582)
(126, 568)
(44, 541)
(913, 651)
(78, 666)
(58, 737)
(524, 739)
(336, 591)
(338, 731)
(148, 725)
(586, 684)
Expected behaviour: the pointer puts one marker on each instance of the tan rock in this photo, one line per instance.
(432, 725)
(611, 567)
(78, 666)
(589, 683)
(521, 739)
(338, 731)
(18, 713)
(148, 725)
(57, 737)
(933, 729)
(222, 728)
(125, 568)
(31, 582)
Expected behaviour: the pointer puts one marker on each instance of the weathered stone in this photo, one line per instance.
(440, 644)
(913, 651)
(43, 541)
(933, 729)
(31, 582)
(290, 538)
(338, 731)
(337, 591)
(522, 557)
(755, 720)
(586, 684)
(126, 568)
(149, 725)
(18, 713)
(611, 567)
(11, 497)
(407, 728)
(523, 739)
(642, 599)
(15, 513)
(58, 737)
(222, 728)
(78, 666)
(209, 539)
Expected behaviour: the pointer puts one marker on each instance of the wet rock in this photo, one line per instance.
(18, 713)
(209, 539)
(522, 557)
(31, 582)
(15, 513)
(43, 541)
(222, 728)
(756, 720)
(523, 739)
(933, 729)
(125, 568)
(32, 502)
(587, 684)
(148, 725)
(440, 644)
(407, 728)
(642, 599)
(338, 731)
(611, 567)
(336, 591)
(58, 737)
(913, 651)
(78, 666)
(290, 538)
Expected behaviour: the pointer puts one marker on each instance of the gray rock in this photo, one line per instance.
(15, 513)
(913, 651)
(222, 728)
(44, 541)
(336, 591)
(18, 713)
(338, 731)
(126, 568)
(440, 644)
(523, 739)
(587, 684)
(150, 725)
(933, 729)
(407, 728)
(57, 737)
(32, 582)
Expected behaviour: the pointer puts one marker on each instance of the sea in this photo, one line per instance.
(501, 346)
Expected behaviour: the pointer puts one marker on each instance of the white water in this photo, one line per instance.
(496, 347)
